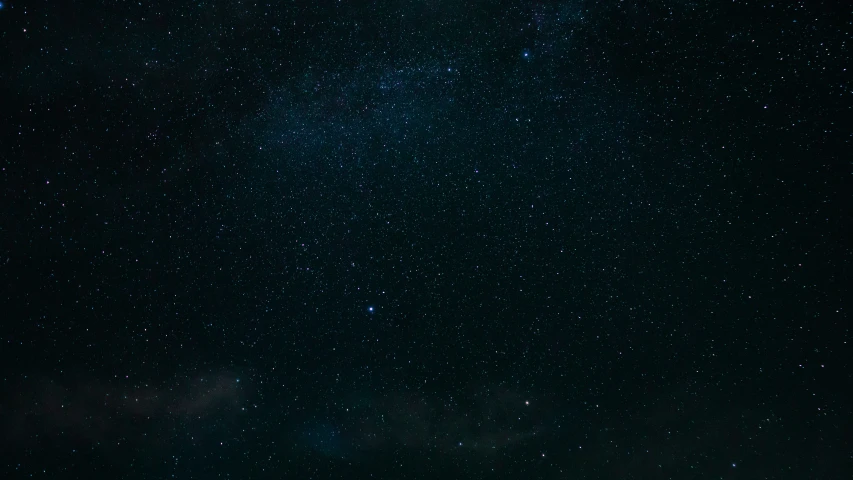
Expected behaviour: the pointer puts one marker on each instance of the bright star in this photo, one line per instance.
(369, 309)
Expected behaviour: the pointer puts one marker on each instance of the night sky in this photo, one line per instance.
(426, 239)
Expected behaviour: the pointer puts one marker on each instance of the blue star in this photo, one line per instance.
(370, 309)
(2, 5)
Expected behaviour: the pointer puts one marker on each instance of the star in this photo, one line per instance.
(370, 309)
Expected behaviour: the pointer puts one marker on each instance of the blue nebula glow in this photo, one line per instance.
(2, 5)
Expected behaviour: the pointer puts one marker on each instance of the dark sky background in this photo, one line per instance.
(425, 239)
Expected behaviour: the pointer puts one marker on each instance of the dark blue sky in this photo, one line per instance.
(601, 240)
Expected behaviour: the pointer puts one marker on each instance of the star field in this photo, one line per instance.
(441, 239)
